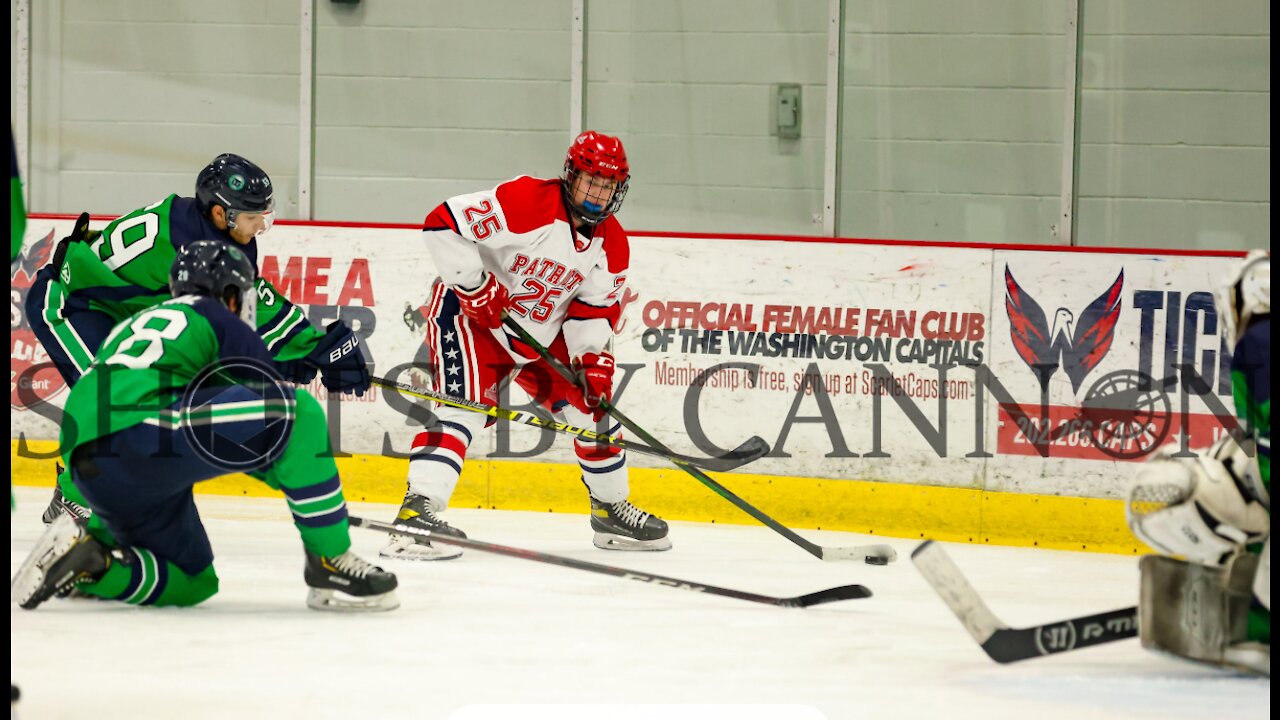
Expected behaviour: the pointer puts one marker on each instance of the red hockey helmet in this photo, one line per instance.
(602, 156)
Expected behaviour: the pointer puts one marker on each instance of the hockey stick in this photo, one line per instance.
(1003, 643)
(753, 449)
(844, 592)
(872, 554)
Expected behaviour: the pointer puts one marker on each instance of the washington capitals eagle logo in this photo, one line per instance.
(1077, 346)
(33, 257)
(32, 377)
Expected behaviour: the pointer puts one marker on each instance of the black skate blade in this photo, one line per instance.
(612, 541)
(331, 600)
(414, 549)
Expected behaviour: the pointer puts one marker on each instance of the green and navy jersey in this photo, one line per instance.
(1251, 386)
(17, 212)
(127, 270)
(147, 362)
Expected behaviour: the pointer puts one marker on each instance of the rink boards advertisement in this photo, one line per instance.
(1027, 371)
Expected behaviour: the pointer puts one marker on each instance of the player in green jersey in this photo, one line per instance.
(17, 211)
(1214, 508)
(183, 392)
(95, 280)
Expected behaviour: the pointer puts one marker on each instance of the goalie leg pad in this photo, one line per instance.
(1197, 612)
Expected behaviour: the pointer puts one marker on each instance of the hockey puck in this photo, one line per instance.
(877, 560)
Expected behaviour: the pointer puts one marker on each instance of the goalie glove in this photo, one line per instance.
(486, 304)
(1203, 508)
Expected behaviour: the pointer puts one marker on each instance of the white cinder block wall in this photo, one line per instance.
(690, 85)
(418, 100)
(953, 119)
(952, 116)
(1176, 123)
(130, 98)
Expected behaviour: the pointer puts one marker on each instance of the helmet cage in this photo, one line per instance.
(586, 215)
(1245, 296)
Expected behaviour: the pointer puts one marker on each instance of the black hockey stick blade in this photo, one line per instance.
(871, 554)
(1001, 642)
(836, 594)
(847, 592)
(749, 451)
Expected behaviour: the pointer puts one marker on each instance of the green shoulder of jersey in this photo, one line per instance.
(126, 270)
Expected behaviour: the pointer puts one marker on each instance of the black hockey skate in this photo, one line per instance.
(61, 505)
(65, 555)
(348, 583)
(416, 513)
(623, 526)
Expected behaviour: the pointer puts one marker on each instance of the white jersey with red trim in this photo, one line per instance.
(559, 279)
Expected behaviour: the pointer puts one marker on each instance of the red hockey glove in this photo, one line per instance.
(486, 304)
(595, 376)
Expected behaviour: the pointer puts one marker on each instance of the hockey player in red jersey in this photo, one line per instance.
(551, 254)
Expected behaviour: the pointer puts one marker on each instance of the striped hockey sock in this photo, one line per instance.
(142, 578)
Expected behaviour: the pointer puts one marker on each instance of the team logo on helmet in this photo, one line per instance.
(33, 379)
(236, 182)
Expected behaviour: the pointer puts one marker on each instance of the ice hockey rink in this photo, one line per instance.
(485, 629)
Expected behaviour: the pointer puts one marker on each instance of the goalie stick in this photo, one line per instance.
(872, 554)
(753, 449)
(1003, 643)
(835, 594)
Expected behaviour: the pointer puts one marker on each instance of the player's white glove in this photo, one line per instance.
(1202, 508)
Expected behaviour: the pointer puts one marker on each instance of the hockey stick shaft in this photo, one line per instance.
(1001, 642)
(874, 554)
(844, 592)
(748, 452)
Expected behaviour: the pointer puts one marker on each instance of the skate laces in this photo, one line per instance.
(352, 564)
(433, 520)
(630, 514)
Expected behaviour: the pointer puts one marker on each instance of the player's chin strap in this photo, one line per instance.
(872, 554)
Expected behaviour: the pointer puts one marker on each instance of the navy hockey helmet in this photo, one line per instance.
(216, 269)
(236, 184)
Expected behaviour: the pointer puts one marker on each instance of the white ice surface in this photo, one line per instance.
(491, 629)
